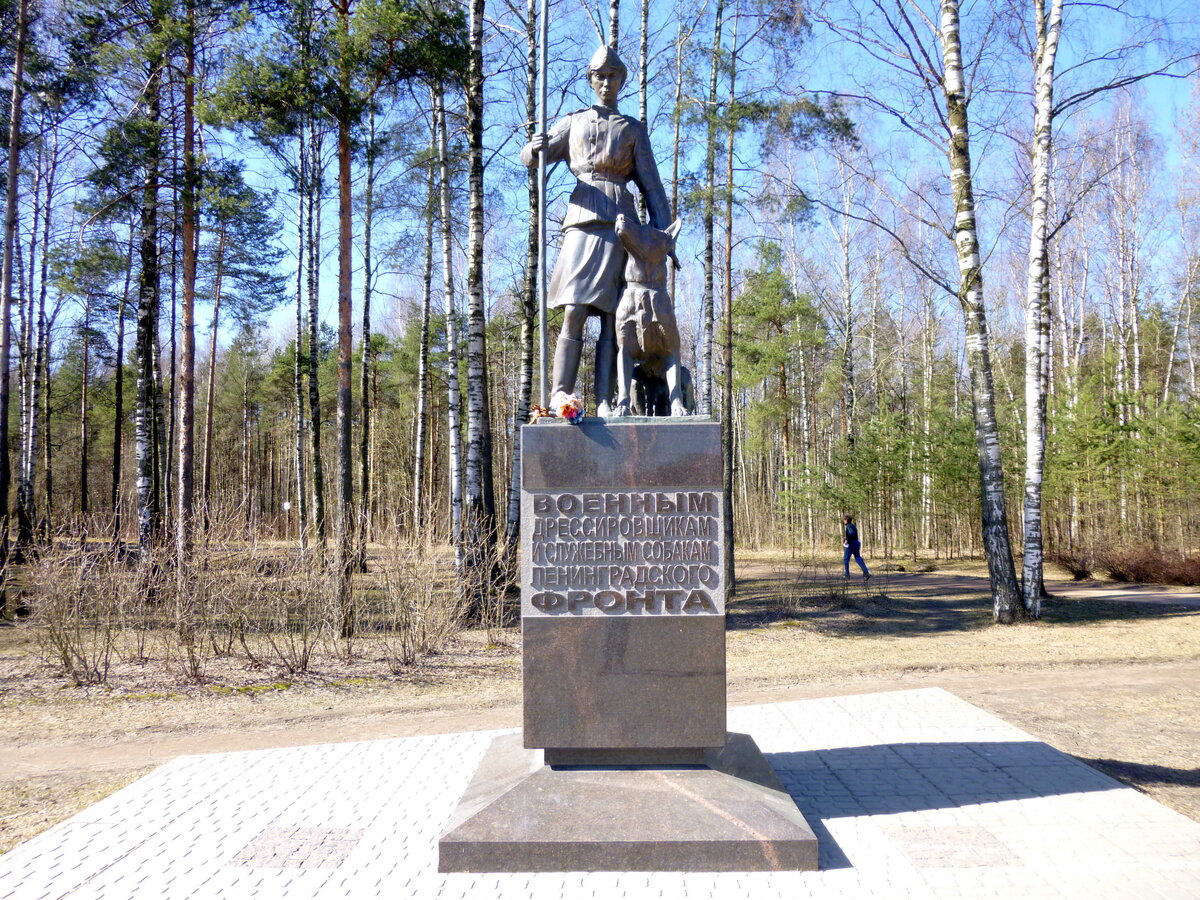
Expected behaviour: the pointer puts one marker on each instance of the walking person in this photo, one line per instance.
(851, 546)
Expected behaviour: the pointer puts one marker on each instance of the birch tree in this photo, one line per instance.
(926, 54)
(1047, 27)
(1005, 596)
(479, 495)
(453, 398)
(421, 439)
(529, 291)
(705, 400)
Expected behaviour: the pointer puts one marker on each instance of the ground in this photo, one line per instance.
(1111, 674)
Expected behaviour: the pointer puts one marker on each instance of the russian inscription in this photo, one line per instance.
(610, 553)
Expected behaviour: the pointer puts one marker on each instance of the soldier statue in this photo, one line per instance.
(605, 150)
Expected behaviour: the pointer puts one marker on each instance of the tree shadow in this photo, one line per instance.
(1144, 773)
(853, 606)
(887, 779)
(906, 605)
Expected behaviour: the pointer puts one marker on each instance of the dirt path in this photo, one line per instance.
(1096, 712)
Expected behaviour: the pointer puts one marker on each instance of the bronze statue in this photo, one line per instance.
(605, 150)
(646, 328)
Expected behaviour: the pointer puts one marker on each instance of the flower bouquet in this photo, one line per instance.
(567, 406)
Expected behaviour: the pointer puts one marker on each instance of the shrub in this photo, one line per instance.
(1079, 563)
(1147, 565)
(419, 609)
(77, 607)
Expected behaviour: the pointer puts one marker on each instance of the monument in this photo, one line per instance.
(624, 762)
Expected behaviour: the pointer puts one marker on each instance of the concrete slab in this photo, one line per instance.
(912, 793)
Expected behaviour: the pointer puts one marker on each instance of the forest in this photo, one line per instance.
(270, 273)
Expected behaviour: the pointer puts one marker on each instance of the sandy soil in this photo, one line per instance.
(1110, 675)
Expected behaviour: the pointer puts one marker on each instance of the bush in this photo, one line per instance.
(1147, 565)
(77, 600)
(95, 608)
(1077, 562)
(419, 610)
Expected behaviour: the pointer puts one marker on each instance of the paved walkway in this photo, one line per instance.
(912, 793)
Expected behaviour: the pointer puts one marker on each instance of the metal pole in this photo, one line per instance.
(541, 272)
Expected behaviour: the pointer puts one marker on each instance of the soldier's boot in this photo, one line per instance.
(566, 364)
(606, 368)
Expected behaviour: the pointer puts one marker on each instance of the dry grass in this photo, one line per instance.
(806, 623)
(1107, 680)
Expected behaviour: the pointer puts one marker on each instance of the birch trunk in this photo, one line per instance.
(727, 376)
(710, 187)
(119, 400)
(1048, 27)
(644, 70)
(36, 337)
(47, 522)
(144, 430)
(211, 392)
(298, 361)
(480, 506)
(247, 461)
(453, 399)
(927, 343)
(84, 419)
(41, 353)
(417, 520)
(25, 368)
(614, 22)
(1005, 590)
(849, 394)
(529, 297)
(1172, 347)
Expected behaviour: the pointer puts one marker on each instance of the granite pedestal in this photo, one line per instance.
(624, 763)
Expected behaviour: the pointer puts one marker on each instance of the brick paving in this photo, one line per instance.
(912, 793)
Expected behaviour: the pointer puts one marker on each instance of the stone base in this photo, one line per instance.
(732, 814)
(625, 681)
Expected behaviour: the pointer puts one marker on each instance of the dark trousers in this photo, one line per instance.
(852, 550)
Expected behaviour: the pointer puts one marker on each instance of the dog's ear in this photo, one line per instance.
(673, 228)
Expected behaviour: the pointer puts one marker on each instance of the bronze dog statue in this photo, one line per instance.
(646, 328)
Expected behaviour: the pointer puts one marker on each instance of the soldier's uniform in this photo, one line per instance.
(605, 150)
